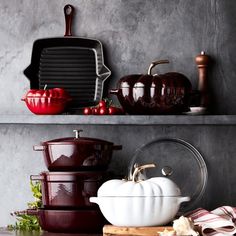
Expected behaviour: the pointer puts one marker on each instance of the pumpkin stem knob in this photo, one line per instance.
(139, 168)
(154, 63)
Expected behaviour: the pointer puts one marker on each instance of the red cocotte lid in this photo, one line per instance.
(77, 140)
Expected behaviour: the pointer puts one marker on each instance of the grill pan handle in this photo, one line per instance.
(69, 12)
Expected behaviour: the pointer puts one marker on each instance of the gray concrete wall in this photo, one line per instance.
(133, 32)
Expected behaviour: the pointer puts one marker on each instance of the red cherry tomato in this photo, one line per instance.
(115, 110)
(87, 111)
(102, 103)
(112, 110)
(95, 110)
(103, 111)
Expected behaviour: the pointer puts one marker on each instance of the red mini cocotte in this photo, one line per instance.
(47, 101)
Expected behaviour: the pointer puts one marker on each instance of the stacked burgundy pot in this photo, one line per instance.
(77, 168)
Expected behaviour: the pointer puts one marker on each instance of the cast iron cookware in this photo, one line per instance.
(154, 94)
(69, 190)
(75, 64)
(47, 102)
(77, 153)
(69, 221)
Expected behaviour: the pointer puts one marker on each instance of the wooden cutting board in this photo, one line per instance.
(111, 230)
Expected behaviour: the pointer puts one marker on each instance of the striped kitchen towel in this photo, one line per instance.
(221, 221)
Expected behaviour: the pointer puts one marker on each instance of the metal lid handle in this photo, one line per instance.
(77, 132)
(154, 63)
(167, 171)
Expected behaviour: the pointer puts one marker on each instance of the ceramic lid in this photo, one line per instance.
(77, 140)
(176, 160)
(153, 187)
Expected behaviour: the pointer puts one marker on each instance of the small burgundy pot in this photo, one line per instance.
(69, 190)
(69, 221)
(77, 153)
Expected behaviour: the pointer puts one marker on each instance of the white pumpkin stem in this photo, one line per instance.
(139, 168)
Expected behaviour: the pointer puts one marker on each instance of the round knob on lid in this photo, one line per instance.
(77, 132)
(167, 171)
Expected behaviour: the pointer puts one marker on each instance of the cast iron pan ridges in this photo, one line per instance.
(71, 68)
(75, 64)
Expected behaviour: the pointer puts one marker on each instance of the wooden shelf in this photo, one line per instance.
(119, 120)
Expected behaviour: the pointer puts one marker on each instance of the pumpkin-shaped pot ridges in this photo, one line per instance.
(138, 203)
(149, 94)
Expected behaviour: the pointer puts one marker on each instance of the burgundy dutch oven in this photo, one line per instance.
(149, 94)
(69, 221)
(67, 190)
(77, 153)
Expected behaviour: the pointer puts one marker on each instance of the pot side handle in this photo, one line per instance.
(26, 212)
(114, 91)
(38, 148)
(117, 147)
(94, 200)
(184, 199)
(33, 212)
(36, 177)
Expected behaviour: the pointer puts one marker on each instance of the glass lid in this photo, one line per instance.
(177, 160)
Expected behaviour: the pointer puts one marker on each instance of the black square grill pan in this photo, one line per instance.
(75, 64)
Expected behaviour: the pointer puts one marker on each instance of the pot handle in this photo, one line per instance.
(33, 212)
(94, 200)
(154, 63)
(69, 12)
(114, 91)
(26, 212)
(184, 199)
(117, 147)
(38, 148)
(36, 177)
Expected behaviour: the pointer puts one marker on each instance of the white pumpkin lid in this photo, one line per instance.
(154, 187)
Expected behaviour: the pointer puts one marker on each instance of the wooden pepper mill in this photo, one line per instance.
(202, 62)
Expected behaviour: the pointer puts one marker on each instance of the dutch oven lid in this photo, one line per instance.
(77, 140)
(177, 160)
